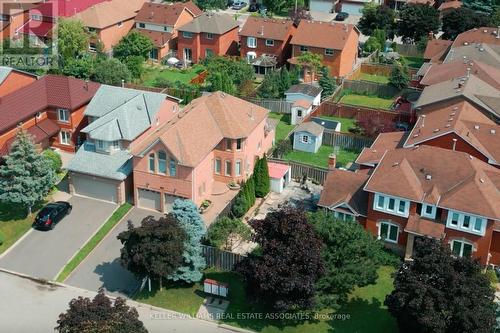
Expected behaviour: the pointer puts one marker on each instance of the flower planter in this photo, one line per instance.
(234, 187)
(205, 207)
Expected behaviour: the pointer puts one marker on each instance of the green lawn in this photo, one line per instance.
(368, 101)
(118, 214)
(171, 74)
(346, 123)
(320, 158)
(374, 78)
(363, 313)
(283, 127)
(414, 62)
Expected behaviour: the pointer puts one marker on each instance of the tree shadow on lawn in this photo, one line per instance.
(12, 213)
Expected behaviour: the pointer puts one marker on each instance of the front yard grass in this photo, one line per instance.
(320, 159)
(283, 127)
(363, 313)
(345, 123)
(118, 214)
(171, 74)
(374, 78)
(368, 101)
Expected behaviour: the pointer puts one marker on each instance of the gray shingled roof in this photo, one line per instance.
(486, 53)
(310, 127)
(4, 72)
(304, 88)
(215, 23)
(123, 114)
(114, 166)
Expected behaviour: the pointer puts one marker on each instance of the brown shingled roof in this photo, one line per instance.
(267, 28)
(486, 35)
(436, 49)
(165, 14)
(384, 142)
(323, 34)
(158, 38)
(109, 12)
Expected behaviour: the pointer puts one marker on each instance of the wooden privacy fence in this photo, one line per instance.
(345, 140)
(223, 260)
(275, 105)
(299, 170)
(200, 78)
(409, 50)
(370, 88)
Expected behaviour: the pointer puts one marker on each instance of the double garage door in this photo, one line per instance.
(95, 187)
(152, 200)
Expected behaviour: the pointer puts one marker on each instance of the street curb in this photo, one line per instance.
(16, 242)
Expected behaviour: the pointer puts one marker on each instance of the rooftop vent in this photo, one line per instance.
(447, 125)
(395, 164)
(428, 176)
(481, 180)
(493, 131)
(436, 130)
(139, 107)
(476, 127)
(470, 157)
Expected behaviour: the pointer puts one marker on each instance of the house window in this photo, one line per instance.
(187, 34)
(461, 248)
(65, 138)
(63, 115)
(238, 144)
(269, 42)
(299, 113)
(209, 35)
(115, 145)
(303, 48)
(217, 166)
(305, 138)
(329, 52)
(466, 222)
(391, 205)
(228, 168)
(209, 53)
(142, 25)
(162, 162)
(4, 17)
(36, 17)
(388, 232)
(152, 166)
(237, 168)
(252, 42)
(100, 144)
(229, 144)
(172, 168)
(92, 47)
(344, 216)
(428, 211)
(259, 145)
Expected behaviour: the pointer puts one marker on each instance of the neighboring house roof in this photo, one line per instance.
(123, 114)
(39, 132)
(306, 89)
(165, 14)
(158, 38)
(453, 4)
(215, 23)
(41, 29)
(114, 166)
(486, 35)
(5, 72)
(259, 27)
(472, 88)
(48, 91)
(456, 69)
(310, 127)
(109, 13)
(16, 7)
(65, 8)
(385, 141)
(463, 119)
(323, 34)
(436, 49)
(442, 177)
(277, 170)
(486, 53)
(345, 188)
(202, 124)
(424, 68)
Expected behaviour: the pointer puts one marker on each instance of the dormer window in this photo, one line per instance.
(63, 115)
(428, 211)
(162, 162)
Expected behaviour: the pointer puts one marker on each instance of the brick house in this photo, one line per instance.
(426, 192)
(12, 79)
(210, 34)
(337, 43)
(160, 22)
(14, 15)
(265, 43)
(51, 109)
(214, 140)
(110, 21)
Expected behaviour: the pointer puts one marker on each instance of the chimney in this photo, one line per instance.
(468, 72)
(454, 143)
(332, 161)
(86, 86)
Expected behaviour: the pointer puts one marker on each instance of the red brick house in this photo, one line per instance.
(337, 43)
(210, 34)
(425, 191)
(12, 79)
(265, 43)
(51, 109)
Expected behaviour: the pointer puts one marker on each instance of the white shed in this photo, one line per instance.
(279, 175)
(309, 92)
(300, 110)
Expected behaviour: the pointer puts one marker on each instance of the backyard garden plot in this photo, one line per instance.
(320, 159)
(156, 74)
(367, 101)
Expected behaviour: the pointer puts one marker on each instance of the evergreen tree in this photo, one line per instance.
(399, 77)
(186, 212)
(251, 189)
(327, 82)
(262, 183)
(240, 205)
(221, 82)
(27, 176)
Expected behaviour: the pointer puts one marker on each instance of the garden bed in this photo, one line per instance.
(320, 159)
(171, 74)
(368, 101)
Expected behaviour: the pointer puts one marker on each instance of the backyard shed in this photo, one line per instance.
(301, 108)
(280, 175)
(309, 92)
(308, 137)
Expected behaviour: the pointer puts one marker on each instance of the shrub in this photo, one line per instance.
(225, 232)
(54, 160)
(239, 207)
(492, 276)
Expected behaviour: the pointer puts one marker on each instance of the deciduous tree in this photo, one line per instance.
(483, 6)
(417, 21)
(312, 61)
(133, 44)
(377, 17)
(462, 19)
(226, 232)
(111, 71)
(72, 38)
(300, 14)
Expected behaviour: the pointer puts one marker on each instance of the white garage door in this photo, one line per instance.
(149, 199)
(352, 9)
(94, 187)
(321, 6)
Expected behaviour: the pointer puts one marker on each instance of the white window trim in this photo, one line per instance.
(460, 226)
(385, 208)
(65, 112)
(227, 171)
(252, 45)
(463, 242)
(209, 35)
(305, 139)
(187, 34)
(237, 172)
(215, 166)
(423, 212)
(269, 42)
(389, 232)
(328, 53)
(68, 141)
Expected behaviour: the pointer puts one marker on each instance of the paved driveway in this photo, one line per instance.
(102, 267)
(43, 253)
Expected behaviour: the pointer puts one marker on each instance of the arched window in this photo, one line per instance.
(162, 162)
(152, 163)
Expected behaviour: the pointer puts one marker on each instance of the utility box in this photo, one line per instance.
(215, 288)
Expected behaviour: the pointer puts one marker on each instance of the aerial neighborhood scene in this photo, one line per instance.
(274, 166)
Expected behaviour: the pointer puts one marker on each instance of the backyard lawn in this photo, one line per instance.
(171, 74)
(346, 123)
(320, 158)
(374, 78)
(368, 101)
(363, 313)
(283, 127)
(414, 62)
